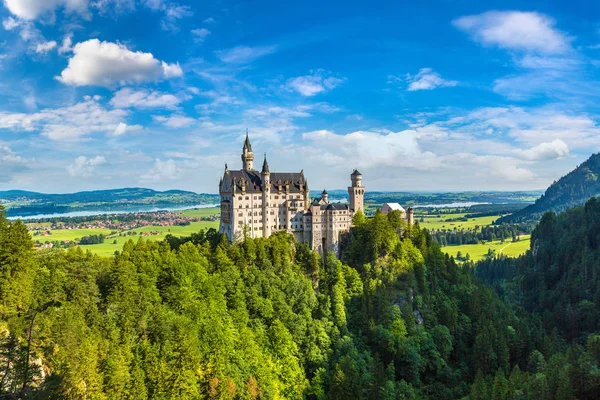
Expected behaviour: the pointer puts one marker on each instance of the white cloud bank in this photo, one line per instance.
(130, 98)
(515, 30)
(96, 63)
(162, 171)
(545, 151)
(317, 82)
(33, 9)
(85, 167)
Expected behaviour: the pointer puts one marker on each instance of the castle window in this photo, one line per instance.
(239, 198)
(247, 198)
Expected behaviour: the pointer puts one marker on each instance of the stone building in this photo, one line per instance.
(407, 214)
(257, 204)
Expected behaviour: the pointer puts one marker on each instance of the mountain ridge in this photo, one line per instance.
(571, 190)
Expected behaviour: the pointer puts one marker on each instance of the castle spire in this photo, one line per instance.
(247, 145)
(265, 168)
(247, 155)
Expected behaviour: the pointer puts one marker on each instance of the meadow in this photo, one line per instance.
(475, 251)
(440, 222)
(479, 251)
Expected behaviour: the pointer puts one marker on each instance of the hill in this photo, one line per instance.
(19, 202)
(572, 190)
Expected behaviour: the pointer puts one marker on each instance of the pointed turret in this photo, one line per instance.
(247, 145)
(265, 168)
(247, 156)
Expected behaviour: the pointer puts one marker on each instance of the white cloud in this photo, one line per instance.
(174, 121)
(209, 20)
(515, 30)
(244, 54)
(200, 34)
(67, 44)
(318, 81)
(128, 98)
(162, 171)
(534, 126)
(9, 157)
(85, 167)
(545, 151)
(171, 70)
(172, 11)
(123, 129)
(43, 48)
(67, 123)
(96, 63)
(10, 23)
(33, 9)
(427, 79)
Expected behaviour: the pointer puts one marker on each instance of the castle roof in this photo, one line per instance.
(254, 183)
(356, 173)
(394, 206)
(334, 206)
(265, 167)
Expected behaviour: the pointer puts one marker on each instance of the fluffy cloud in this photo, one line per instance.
(33, 9)
(317, 82)
(200, 34)
(85, 167)
(244, 54)
(545, 151)
(174, 121)
(533, 126)
(43, 48)
(9, 157)
(96, 63)
(515, 30)
(162, 171)
(123, 129)
(427, 79)
(128, 98)
(67, 123)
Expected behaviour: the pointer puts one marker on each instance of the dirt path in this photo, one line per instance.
(500, 252)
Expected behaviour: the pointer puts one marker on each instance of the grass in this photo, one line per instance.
(435, 222)
(109, 247)
(201, 212)
(478, 251)
(71, 234)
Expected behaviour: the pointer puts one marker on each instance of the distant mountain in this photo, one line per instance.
(21, 203)
(573, 189)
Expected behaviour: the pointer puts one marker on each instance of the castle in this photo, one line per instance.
(257, 204)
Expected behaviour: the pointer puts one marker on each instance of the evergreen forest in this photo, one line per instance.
(392, 318)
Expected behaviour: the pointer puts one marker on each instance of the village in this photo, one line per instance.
(50, 233)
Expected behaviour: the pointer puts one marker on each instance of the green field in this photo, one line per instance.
(201, 212)
(478, 251)
(435, 222)
(70, 234)
(108, 247)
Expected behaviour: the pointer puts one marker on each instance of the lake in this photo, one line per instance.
(110, 212)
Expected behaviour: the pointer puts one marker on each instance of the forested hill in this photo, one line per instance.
(19, 202)
(200, 318)
(573, 189)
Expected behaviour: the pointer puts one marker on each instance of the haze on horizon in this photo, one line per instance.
(450, 96)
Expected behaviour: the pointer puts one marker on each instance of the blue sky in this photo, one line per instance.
(435, 96)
